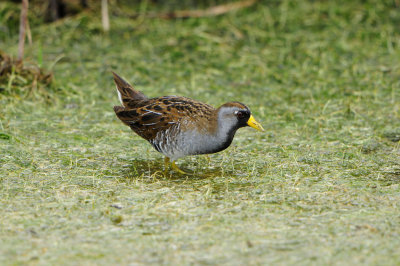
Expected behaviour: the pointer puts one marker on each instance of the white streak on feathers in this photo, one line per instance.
(119, 96)
(149, 111)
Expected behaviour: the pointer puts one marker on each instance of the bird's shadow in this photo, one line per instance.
(152, 172)
(155, 169)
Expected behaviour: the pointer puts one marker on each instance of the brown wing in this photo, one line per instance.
(126, 91)
(148, 117)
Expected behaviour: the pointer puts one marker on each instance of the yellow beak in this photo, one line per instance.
(254, 124)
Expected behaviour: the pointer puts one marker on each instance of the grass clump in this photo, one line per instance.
(321, 186)
(22, 78)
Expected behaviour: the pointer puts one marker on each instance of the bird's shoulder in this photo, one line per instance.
(150, 116)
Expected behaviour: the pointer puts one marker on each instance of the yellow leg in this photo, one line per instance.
(176, 168)
(167, 163)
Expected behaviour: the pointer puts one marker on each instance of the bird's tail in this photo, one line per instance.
(126, 92)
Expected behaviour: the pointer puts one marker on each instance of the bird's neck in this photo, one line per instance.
(218, 137)
(225, 133)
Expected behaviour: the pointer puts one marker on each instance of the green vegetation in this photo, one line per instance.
(321, 186)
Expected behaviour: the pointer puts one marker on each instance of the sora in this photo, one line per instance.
(178, 126)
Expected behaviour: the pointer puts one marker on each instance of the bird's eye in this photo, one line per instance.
(239, 114)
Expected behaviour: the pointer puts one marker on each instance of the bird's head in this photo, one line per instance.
(234, 115)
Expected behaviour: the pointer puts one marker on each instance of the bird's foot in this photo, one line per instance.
(177, 169)
(167, 163)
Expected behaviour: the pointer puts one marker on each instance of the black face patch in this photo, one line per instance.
(242, 116)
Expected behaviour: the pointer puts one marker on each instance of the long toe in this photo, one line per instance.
(177, 169)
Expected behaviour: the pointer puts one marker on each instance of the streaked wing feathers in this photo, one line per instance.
(148, 117)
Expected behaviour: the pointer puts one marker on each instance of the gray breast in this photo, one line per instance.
(175, 144)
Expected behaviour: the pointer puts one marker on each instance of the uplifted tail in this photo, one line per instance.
(126, 92)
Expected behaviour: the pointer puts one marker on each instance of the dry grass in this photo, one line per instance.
(320, 187)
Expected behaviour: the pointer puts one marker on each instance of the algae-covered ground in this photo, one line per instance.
(319, 187)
